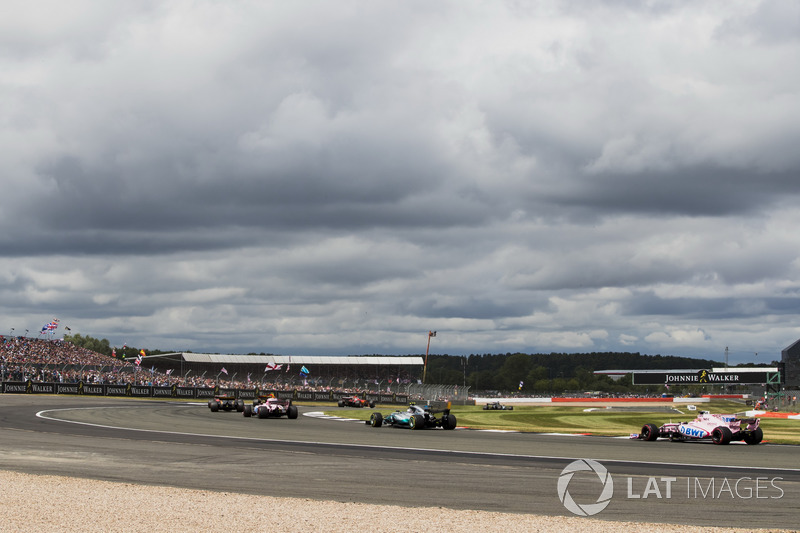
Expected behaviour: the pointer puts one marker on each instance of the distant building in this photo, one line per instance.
(790, 357)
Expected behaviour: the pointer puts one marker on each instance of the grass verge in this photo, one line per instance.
(617, 421)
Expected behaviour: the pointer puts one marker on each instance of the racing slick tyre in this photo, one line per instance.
(486, 407)
(341, 403)
(291, 412)
(721, 435)
(510, 408)
(753, 437)
(240, 405)
(248, 411)
(214, 406)
(416, 422)
(263, 412)
(449, 421)
(376, 420)
(649, 432)
(372, 405)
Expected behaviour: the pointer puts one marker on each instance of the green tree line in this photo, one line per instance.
(102, 346)
(525, 373)
(550, 373)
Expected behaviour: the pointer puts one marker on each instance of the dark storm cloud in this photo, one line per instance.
(321, 178)
(703, 191)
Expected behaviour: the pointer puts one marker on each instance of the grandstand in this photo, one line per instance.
(61, 361)
(319, 367)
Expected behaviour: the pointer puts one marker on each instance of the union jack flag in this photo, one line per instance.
(50, 326)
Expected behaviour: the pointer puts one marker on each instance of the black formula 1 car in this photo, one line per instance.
(226, 403)
(354, 401)
(270, 407)
(497, 406)
(415, 417)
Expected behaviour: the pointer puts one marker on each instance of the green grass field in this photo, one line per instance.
(598, 421)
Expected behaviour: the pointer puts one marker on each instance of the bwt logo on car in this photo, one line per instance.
(693, 432)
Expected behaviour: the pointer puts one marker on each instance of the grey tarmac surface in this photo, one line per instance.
(182, 445)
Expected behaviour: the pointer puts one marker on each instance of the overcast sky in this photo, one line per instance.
(341, 177)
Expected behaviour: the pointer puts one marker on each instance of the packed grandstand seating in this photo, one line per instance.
(59, 361)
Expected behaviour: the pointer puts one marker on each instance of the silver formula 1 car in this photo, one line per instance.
(415, 417)
(497, 406)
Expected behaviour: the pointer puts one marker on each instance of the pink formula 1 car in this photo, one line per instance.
(270, 407)
(721, 429)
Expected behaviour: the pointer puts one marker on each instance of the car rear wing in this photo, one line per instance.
(438, 406)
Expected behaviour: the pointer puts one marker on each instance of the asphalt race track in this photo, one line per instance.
(186, 445)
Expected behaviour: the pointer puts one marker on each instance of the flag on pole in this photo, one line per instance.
(50, 326)
(272, 366)
(138, 360)
(113, 352)
(304, 371)
(141, 353)
(169, 371)
(521, 383)
(224, 371)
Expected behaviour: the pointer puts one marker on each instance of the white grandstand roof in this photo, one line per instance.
(384, 360)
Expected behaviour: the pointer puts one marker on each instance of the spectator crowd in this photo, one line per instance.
(60, 361)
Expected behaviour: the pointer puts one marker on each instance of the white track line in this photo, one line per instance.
(44, 415)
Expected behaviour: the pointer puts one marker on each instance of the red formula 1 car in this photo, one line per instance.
(226, 403)
(721, 429)
(270, 407)
(354, 401)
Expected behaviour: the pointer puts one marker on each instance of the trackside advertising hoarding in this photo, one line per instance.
(705, 377)
(196, 393)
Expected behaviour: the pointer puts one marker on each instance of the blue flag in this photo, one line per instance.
(304, 371)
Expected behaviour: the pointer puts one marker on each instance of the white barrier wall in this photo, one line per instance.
(482, 401)
(532, 401)
(691, 400)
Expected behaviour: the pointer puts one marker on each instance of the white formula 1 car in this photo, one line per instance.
(721, 429)
(270, 407)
